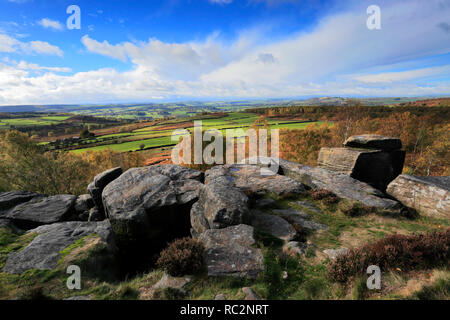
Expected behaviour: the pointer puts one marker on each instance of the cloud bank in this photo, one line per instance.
(340, 56)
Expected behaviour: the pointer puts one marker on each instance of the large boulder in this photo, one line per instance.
(430, 196)
(151, 205)
(220, 205)
(249, 179)
(42, 210)
(373, 141)
(375, 167)
(230, 252)
(44, 251)
(273, 225)
(99, 183)
(13, 198)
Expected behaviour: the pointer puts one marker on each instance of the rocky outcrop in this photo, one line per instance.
(101, 180)
(223, 200)
(373, 159)
(429, 196)
(151, 204)
(44, 252)
(340, 184)
(230, 252)
(273, 225)
(13, 198)
(373, 141)
(249, 179)
(42, 210)
(220, 205)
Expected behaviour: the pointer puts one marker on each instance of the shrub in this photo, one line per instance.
(395, 251)
(182, 256)
(323, 195)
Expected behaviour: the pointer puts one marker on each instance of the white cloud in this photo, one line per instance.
(10, 44)
(7, 43)
(104, 48)
(23, 65)
(52, 24)
(43, 47)
(389, 77)
(340, 56)
(180, 61)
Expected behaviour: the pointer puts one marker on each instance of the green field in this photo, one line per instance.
(44, 120)
(154, 137)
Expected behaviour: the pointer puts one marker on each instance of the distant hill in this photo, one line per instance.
(441, 102)
(155, 110)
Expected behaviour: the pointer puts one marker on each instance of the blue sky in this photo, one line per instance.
(130, 51)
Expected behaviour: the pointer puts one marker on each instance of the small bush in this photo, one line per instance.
(323, 195)
(182, 256)
(395, 251)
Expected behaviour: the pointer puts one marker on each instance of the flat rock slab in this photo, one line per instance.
(13, 198)
(44, 251)
(300, 218)
(373, 141)
(274, 225)
(430, 196)
(249, 179)
(341, 185)
(229, 252)
(42, 210)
